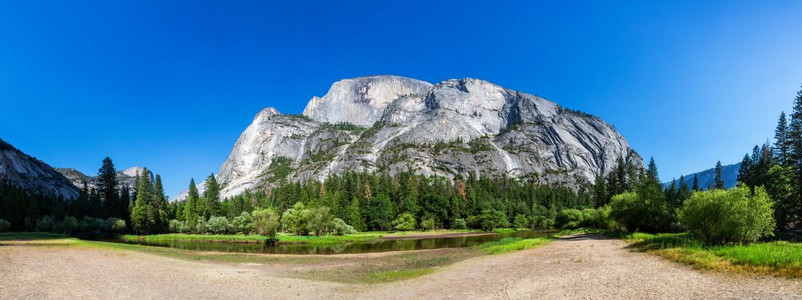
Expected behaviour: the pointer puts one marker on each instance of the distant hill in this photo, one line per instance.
(33, 175)
(707, 177)
(124, 178)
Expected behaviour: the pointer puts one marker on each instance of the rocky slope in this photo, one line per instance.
(391, 124)
(33, 175)
(124, 178)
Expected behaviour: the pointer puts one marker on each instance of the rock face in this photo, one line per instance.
(393, 124)
(124, 178)
(33, 175)
(361, 101)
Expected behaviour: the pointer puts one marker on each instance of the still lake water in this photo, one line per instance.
(356, 247)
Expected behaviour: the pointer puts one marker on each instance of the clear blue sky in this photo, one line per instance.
(171, 86)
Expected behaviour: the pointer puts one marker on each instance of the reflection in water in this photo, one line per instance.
(356, 247)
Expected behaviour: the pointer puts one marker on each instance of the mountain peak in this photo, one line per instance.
(361, 100)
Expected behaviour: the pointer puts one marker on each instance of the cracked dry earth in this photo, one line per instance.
(583, 266)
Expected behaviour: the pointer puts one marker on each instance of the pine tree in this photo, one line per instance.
(354, 217)
(125, 202)
(191, 211)
(160, 206)
(211, 198)
(684, 191)
(719, 181)
(652, 171)
(695, 183)
(600, 191)
(745, 171)
(141, 214)
(781, 141)
(107, 186)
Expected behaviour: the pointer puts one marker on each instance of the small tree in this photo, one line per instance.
(427, 224)
(339, 227)
(459, 224)
(319, 220)
(243, 223)
(729, 216)
(265, 222)
(404, 222)
(489, 219)
(4, 225)
(569, 218)
(520, 221)
(295, 219)
(218, 225)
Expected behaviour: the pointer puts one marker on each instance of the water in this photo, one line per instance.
(356, 247)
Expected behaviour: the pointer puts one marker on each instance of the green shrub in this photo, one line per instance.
(636, 212)
(339, 227)
(729, 216)
(242, 223)
(318, 220)
(459, 224)
(201, 227)
(489, 219)
(570, 218)
(265, 222)
(405, 222)
(114, 225)
(520, 221)
(70, 224)
(176, 226)
(217, 225)
(44, 224)
(597, 218)
(4, 225)
(295, 219)
(427, 224)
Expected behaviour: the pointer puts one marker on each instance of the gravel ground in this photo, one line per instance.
(576, 267)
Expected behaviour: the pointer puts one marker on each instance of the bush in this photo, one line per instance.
(489, 219)
(729, 216)
(520, 221)
(647, 213)
(114, 225)
(218, 225)
(295, 219)
(44, 224)
(459, 224)
(570, 218)
(597, 218)
(427, 224)
(4, 225)
(318, 220)
(243, 223)
(265, 222)
(70, 224)
(177, 226)
(405, 222)
(339, 227)
(201, 227)
(543, 217)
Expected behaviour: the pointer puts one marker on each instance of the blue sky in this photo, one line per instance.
(171, 85)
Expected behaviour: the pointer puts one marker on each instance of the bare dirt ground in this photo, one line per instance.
(576, 267)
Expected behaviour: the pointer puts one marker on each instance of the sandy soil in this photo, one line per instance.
(577, 267)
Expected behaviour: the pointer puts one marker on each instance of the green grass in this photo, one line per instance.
(777, 258)
(507, 245)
